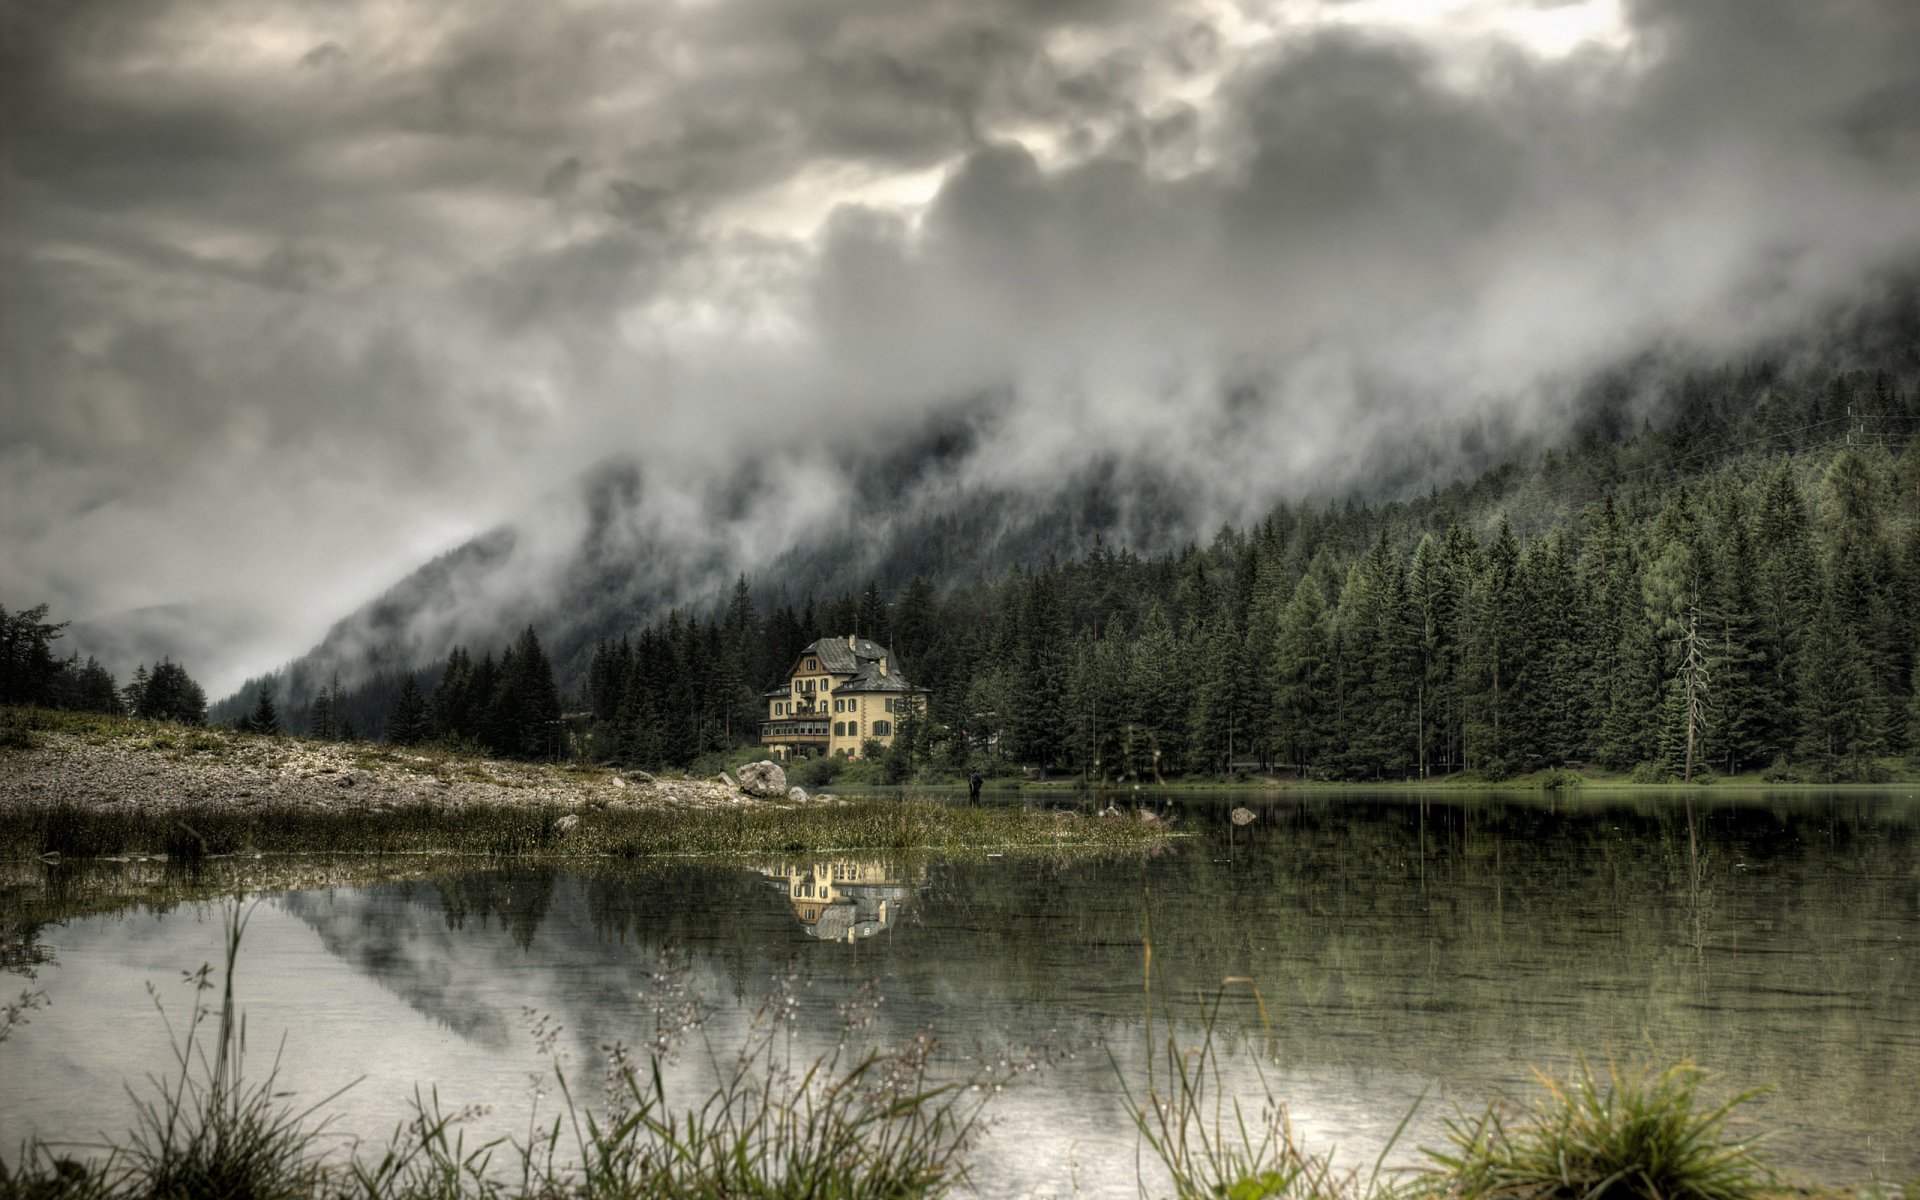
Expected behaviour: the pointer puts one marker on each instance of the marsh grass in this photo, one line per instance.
(1633, 1132)
(1213, 1144)
(203, 830)
(1637, 1133)
(852, 1124)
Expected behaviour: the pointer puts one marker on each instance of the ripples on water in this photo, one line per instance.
(1400, 947)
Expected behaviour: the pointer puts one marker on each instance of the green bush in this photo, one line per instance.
(1780, 772)
(1650, 772)
(811, 773)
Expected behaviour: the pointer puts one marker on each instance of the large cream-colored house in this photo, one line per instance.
(840, 694)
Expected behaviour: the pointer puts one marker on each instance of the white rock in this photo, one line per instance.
(566, 824)
(763, 778)
(797, 794)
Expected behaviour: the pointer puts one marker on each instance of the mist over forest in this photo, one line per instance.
(299, 299)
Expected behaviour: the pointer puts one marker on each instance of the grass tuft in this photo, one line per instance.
(1639, 1133)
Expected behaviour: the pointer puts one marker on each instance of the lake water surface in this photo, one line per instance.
(1402, 949)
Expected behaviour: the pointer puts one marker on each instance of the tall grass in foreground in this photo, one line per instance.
(861, 1123)
(1637, 1134)
(1634, 1132)
(850, 1125)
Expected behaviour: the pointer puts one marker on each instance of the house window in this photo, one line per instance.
(839, 729)
(853, 729)
(779, 709)
(839, 706)
(883, 729)
(813, 664)
(889, 706)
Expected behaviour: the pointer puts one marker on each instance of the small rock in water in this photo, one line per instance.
(1242, 816)
(797, 794)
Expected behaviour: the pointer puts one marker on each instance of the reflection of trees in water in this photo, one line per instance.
(21, 950)
(1417, 935)
(518, 899)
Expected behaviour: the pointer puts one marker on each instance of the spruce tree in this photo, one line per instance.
(1303, 670)
(1841, 719)
(265, 718)
(409, 723)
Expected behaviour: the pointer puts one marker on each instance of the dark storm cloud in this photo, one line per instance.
(293, 295)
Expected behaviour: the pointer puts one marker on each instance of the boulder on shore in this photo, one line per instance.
(763, 778)
(728, 779)
(797, 794)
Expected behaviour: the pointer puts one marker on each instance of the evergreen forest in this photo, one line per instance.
(1737, 590)
(1734, 589)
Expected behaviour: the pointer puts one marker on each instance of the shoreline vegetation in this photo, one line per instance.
(93, 786)
(892, 1122)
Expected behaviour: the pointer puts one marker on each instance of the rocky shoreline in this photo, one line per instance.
(177, 767)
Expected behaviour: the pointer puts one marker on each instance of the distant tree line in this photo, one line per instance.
(1739, 589)
(31, 673)
(508, 707)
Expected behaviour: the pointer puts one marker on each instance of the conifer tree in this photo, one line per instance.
(408, 726)
(1841, 719)
(265, 718)
(170, 694)
(1303, 670)
(1157, 689)
(97, 691)
(134, 695)
(28, 666)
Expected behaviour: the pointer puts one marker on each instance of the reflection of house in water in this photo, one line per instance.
(846, 899)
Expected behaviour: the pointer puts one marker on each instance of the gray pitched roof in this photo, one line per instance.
(869, 679)
(838, 658)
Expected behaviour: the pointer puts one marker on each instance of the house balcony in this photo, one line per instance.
(794, 732)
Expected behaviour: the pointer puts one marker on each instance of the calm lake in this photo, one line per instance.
(1403, 949)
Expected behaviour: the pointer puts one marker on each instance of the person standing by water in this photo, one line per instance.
(973, 787)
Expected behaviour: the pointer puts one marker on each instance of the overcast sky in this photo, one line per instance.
(294, 295)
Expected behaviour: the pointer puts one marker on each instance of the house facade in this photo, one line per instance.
(841, 694)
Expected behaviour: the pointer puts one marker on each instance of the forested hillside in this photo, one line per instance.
(1753, 564)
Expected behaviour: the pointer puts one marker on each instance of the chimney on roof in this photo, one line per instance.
(853, 642)
(883, 664)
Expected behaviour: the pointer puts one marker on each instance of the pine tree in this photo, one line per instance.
(1039, 652)
(408, 726)
(265, 718)
(170, 694)
(1158, 691)
(1841, 719)
(1495, 652)
(1303, 669)
(28, 666)
(97, 690)
(134, 695)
